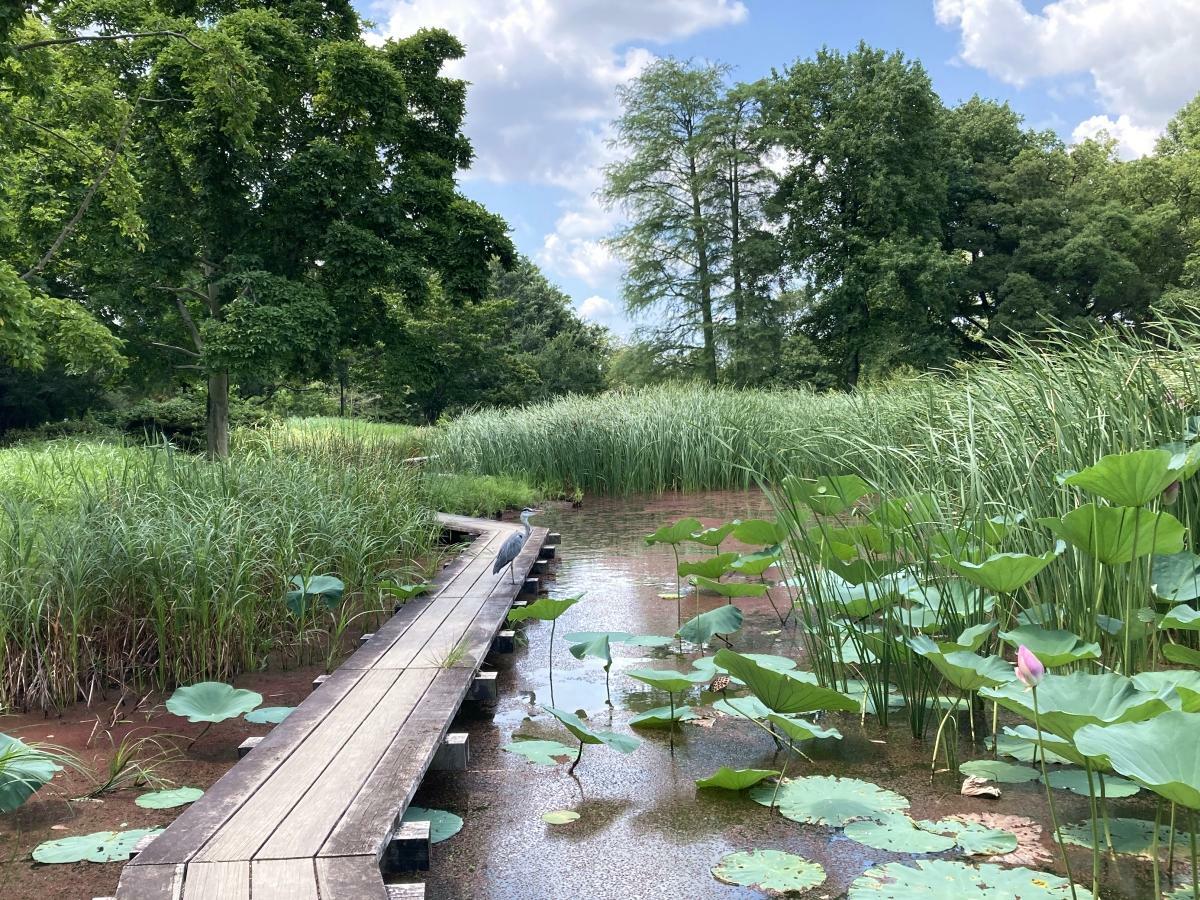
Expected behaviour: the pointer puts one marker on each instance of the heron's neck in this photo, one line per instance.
(525, 522)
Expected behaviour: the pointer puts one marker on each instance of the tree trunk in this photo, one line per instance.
(218, 415)
(705, 277)
(735, 261)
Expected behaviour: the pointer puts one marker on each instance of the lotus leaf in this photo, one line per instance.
(938, 879)
(1159, 754)
(402, 592)
(769, 870)
(1132, 479)
(23, 769)
(722, 620)
(971, 638)
(800, 730)
(101, 847)
(783, 692)
(1181, 617)
(827, 496)
(746, 707)
(731, 589)
(996, 528)
(1178, 653)
(1066, 703)
(169, 799)
(854, 601)
(668, 679)
(754, 564)
(212, 701)
(1176, 576)
(760, 532)
(542, 753)
(1185, 682)
(779, 664)
(1023, 743)
(999, 770)
(1052, 646)
(973, 838)
(910, 511)
(544, 609)
(1118, 534)
(324, 587)
(1002, 572)
(1076, 781)
(709, 567)
(269, 715)
(560, 817)
(735, 779)
(662, 717)
(622, 637)
(1133, 836)
(898, 834)
(966, 671)
(442, 825)
(675, 534)
(829, 800)
(714, 537)
(622, 743)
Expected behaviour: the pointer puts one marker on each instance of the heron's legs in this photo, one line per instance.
(512, 577)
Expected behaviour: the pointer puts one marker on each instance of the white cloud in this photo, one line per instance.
(595, 308)
(1132, 140)
(576, 246)
(1141, 55)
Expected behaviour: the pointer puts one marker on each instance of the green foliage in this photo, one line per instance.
(542, 753)
(169, 799)
(722, 620)
(735, 779)
(828, 800)
(314, 589)
(545, 609)
(101, 847)
(948, 880)
(23, 769)
(1118, 534)
(622, 743)
(212, 701)
(1157, 753)
(772, 871)
(782, 692)
(443, 825)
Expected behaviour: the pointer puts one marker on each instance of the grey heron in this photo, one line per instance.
(512, 545)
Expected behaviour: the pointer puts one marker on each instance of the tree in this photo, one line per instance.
(291, 183)
(671, 186)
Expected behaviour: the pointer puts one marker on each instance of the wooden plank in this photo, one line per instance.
(217, 881)
(308, 824)
(260, 813)
(197, 824)
(350, 878)
(367, 823)
(151, 883)
(283, 879)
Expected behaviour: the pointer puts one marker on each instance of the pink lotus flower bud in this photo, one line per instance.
(1029, 668)
(1170, 494)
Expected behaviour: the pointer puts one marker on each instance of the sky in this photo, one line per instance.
(544, 74)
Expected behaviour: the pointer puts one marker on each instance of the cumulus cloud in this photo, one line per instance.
(1141, 56)
(1132, 140)
(596, 308)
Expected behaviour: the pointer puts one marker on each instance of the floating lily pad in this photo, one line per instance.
(999, 770)
(101, 847)
(974, 839)
(898, 834)
(269, 715)
(829, 800)
(1133, 836)
(662, 717)
(735, 779)
(938, 879)
(23, 769)
(560, 817)
(542, 753)
(169, 799)
(442, 824)
(212, 701)
(1076, 781)
(769, 870)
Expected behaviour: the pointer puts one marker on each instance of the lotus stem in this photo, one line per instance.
(1095, 831)
(1104, 817)
(578, 757)
(1037, 724)
(1154, 845)
(203, 732)
(671, 729)
(1192, 837)
(1171, 845)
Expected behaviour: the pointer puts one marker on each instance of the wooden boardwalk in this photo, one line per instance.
(309, 812)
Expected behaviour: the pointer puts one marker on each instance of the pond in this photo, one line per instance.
(644, 829)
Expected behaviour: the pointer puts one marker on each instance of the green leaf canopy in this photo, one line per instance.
(1175, 577)
(827, 495)
(1001, 572)
(714, 537)
(669, 680)
(709, 566)
(1159, 754)
(735, 779)
(326, 588)
(676, 533)
(622, 743)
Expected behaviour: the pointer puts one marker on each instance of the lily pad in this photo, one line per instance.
(1132, 836)
(542, 753)
(722, 620)
(169, 799)
(709, 566)
(1000, 771)
(212, 701)
(829, 800)
(560, 817)
(897, 834)
(23, 769)
(975, 839)
(735, 779)
(769, 870)
(442, 824)
(937, 879)
(269, 715)
(100, 847)
(676, 533)
(1076, 781)
(662, 717)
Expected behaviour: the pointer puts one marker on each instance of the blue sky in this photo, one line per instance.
(544, 74)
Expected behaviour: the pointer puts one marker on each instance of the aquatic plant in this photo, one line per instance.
(101, 847)
(673, 683)
(26, 767)
(211, 702)
(622, 743)
(545, 609)
(443, 825)
(169, 798)
(773, 871)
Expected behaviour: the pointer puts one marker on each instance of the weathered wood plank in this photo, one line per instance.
(350, 878)
(284, 879)
(217, 881)
(151, 882)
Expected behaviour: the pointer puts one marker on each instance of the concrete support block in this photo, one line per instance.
(547, 553)
(529, 590)
(553, 539)
(408, 850)
(362, 641)
(485, 687)
(505, 641)
(412, 891)
(453, 755)
(319, 680)
(541, 567)
(247, 745)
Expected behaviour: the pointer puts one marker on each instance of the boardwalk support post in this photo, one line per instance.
(247, 745)
(453, 754)
(505, 642)
(529, 590)
(362, 641)
(408, 850)
(485, 687)
(319, 680)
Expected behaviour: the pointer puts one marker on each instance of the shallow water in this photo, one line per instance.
(644, 828)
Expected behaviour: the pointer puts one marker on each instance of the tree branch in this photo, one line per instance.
(191, 353)
(54, 42)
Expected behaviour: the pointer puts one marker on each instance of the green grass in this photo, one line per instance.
(477, 495)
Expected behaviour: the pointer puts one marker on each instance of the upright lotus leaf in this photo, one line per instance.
(1185, 656)
(731, 589)
(754, 564)
(1182, 618)
(541, 753)
(783, 692)
(939, 879)
(675, 534)
(760, 531)
(1118, 534)
(1002, 572)
(735, 779)
(1023, 742)
(622, 743)
(851, 600)
(668, 679)
(269, 715)
(827, 495)
(544, 609)
(714, 537)
(23, 769)
(746, 707)
(965, 670)
(995, 529)
(773, 871)
(709, 566)
(101, 847)
(910, 511)
(621, 637)
(1066, 703)
(958, 596)
(971, 639)
(599, 647)
(800, 730)
(402, 592)
(1159, 754)
(1052, 646)
(442, 824)
(722, 620)
(1185, 683)
(829, 800)
(169, 799)
(326, 588)
(212, 701)
(1175, 577)
(1132, 479)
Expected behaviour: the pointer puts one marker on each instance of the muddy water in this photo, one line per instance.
(644, 830)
